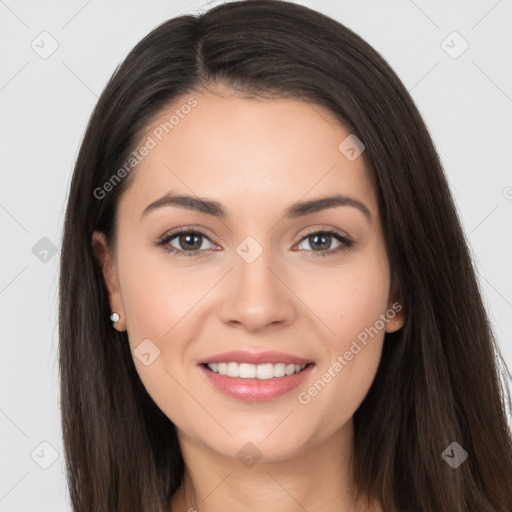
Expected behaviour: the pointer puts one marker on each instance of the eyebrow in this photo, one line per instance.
(298, 209)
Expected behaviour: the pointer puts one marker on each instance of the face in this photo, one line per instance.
(310, 283)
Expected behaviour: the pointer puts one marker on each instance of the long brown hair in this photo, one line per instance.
(439, 378)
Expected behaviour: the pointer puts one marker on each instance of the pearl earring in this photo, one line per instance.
(115, 317)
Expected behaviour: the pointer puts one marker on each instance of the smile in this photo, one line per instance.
(267, 383)
(264, 371)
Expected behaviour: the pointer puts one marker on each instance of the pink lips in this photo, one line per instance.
(255, 390)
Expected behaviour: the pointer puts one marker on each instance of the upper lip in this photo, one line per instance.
(242, 356)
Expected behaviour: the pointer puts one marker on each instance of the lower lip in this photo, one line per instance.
(256, 390)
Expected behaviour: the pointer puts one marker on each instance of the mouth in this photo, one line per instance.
(255, 377)
(255, 358)
(265, 371)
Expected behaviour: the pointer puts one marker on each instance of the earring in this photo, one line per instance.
(115, 317)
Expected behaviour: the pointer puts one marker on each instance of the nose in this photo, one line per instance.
(256, 296)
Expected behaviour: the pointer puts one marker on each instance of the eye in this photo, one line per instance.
(323, 240)
(189, 242)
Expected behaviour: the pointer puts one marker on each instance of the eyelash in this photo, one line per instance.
(163, 242)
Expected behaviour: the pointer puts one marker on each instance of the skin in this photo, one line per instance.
(256, 157)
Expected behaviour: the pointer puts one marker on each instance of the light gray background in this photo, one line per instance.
(45, 104)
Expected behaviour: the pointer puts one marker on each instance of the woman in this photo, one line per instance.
(266, 299)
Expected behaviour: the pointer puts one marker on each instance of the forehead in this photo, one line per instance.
(257, 152)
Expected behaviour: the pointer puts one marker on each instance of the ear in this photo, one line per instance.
(106, 262)
(395, 304)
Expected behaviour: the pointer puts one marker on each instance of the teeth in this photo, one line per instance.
(251, 371)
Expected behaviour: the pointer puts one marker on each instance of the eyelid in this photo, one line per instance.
(323, 229)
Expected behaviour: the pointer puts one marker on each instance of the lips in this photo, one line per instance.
(266, 387)
(255, 390)
(243, 356)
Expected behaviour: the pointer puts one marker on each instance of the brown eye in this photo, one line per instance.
(188, 242)
(321, 241)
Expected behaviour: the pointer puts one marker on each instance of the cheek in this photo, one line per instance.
(351, 297)
(157, 305)
(158, 295)
(352, 305)
(339, 387)
(344, 377)
(161, 303)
